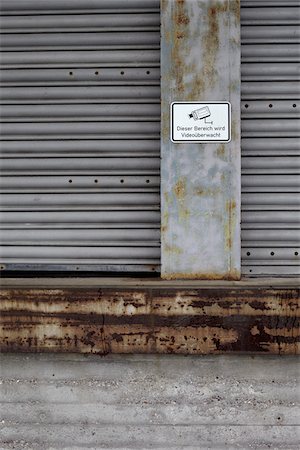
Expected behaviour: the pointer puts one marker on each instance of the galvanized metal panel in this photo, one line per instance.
(270, 137)
(200, 183)
(80, 110)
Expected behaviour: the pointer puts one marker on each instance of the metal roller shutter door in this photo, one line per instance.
(80, 146)
(80, 107)
(270, 137)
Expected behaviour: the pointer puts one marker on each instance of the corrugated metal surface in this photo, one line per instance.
(270, 137)
(74, 402)
(80, 110)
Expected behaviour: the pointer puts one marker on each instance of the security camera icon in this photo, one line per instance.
(201, 113)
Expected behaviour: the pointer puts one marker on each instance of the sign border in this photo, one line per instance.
(200, 142)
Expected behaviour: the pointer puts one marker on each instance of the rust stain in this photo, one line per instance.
(165, 217)
(180, 189)
(232, 275)
(190, 321)
(182, 19)
(235, 8)
(211, 43)
(203, 192)
(234, 130)
(230, 208)
(254, 331)
(165, 125)
(180, 35)
(180, 192)
(285, 332)
(221, 151)
(173, 249)
(179, 47)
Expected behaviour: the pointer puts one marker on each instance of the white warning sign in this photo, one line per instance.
(200, 122)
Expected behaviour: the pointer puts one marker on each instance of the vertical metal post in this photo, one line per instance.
(200, 185)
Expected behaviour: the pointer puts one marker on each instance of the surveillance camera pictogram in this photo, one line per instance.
(201, 114)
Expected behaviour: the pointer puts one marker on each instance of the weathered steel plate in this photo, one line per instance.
(200, 182)
(150, 320)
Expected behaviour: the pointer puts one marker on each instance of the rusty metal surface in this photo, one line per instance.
(200, 186)
(183, 321)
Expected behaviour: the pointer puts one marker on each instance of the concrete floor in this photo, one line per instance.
(148, 401)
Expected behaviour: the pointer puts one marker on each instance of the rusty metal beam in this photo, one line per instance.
(150, 320)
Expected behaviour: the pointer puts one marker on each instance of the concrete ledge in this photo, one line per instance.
(79, 282)
(186, 318)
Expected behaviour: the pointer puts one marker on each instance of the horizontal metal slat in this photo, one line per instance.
(267, 163)
(97, 129)
(270, 34)
(270, 90)
(119, 164)
(269, 71)
(79, 243)
(78, 200)
(29, 253)
(272, 218)
(279, 15)
(271, 181)
(272, 235)
(62, 41)
(112, 266)
(270, 225)
(68, 219)
(78, 147)
(39, 183)
(81, 236)
(270, 52)
(271, 127)
(77, 112)
(75, 94)
(81, 58)
(272, 254)
(272, 109)
(271, 3)
(80, 75)
(29, 5)
(70, 21)
(278, 262)
(269, 146)
(280, 200)
(270, 244)
(263, 271)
